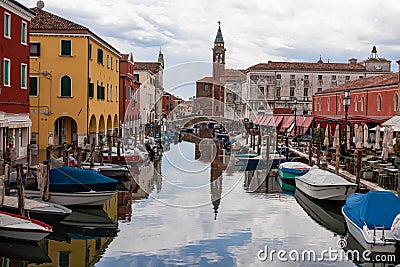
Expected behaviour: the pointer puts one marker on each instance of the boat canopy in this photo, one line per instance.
(320, 177)
(68, 175)
(375, 209)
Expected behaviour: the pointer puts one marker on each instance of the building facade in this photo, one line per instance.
(285, 84)
(374, 100)
(74, 78)
(14, 83)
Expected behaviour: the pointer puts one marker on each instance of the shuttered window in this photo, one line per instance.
(91, 90)
(66, 48)
(65, 86)
(33, 86)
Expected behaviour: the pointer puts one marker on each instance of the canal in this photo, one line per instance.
(194, 207)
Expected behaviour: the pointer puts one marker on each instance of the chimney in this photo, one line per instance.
(352, 61)
(40, 4)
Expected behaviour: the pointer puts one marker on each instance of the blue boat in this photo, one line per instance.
(369, 218)
(67, 179)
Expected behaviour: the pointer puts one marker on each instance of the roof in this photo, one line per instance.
(219, 38)
(28, 10)
(376, 81)
(319, 66)
(47, 21)
(153, 67)
(207, 80)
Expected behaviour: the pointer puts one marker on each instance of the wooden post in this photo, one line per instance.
(337, 160)
(79, 157)
(398, 182)
(310, 153)
(259, 143)
(267, 147)
(101, 154)
(44, 187)
(287, 147)
(7, 171)
(92, 156)
(357, 166)
(109, 154)
(20, 189)
(65, 155)
(119, 150)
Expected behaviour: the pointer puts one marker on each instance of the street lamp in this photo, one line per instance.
(295, 116)
(346, 104)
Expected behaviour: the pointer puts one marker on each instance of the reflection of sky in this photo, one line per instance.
(161, 233)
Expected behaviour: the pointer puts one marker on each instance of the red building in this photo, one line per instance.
(169, 103)
(373, 100)
(14, 82)
(129, 109)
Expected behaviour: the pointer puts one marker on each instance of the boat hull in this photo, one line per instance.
(367, 240)
(92, 198)
(326, 192)
(286, 184)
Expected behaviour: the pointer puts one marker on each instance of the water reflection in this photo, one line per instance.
(14, 253)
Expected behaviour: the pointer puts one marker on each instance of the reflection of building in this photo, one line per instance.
(145, 181)
(14, 82)
(74, 82)
(260, 181)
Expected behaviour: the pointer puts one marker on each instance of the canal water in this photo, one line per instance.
(194, 207)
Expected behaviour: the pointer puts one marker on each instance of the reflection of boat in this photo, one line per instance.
(36, 209)
(246, 155)
(22, 228)
(324, 185)
(24, 251)
(85, 224)
(327, 216)
(286, 184)
(369, 218)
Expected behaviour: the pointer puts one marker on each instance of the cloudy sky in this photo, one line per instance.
(254, 31)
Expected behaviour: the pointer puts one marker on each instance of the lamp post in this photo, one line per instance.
(346, 104)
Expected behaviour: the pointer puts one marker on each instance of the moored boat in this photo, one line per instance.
(22, 228)
(324, 185)
(369, 218)
(288, 171)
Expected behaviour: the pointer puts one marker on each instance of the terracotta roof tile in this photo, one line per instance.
(207, 80)
(376, 81)
(307, 66)
(48, 21)
(153, 67)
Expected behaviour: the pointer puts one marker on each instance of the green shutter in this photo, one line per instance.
(65, 86)
(23, 76)
(6, 72)
(33, 86)
(7, 25)
(23, 33)
(98, 92)
(91, 90)
(66, 47)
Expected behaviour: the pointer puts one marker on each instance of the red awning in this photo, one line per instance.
(302, 124)
(257, 119)
(266, 120)
(287, 121)
(276, 121)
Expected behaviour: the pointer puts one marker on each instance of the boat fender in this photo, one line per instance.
(396, 227)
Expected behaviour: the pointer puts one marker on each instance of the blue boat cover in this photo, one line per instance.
(375, 208)
(70, 176)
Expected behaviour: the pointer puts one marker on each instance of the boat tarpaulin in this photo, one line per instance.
(375, 208)
(320, 177)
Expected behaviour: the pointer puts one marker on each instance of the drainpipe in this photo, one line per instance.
(87, 92)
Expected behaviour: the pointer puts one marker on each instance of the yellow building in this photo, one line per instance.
(74, 82)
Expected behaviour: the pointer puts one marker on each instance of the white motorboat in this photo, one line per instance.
(324, 185)
(91, 198)
(36, 209)
(22, 228)
(369, 218)
(108, 169)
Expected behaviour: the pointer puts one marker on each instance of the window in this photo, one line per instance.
(6, 72)
(111, 63)
(261, 89)
(111, 93)
(116, 94)
(360, 77)
(305, 92)
(34, 49)
(362, 103)
(33, 86)
(100, 92)
(65, 86)
(305, 77)
(379, 103)
(340, 103)
(216, 108)
(396, 102)
(333, 77)
(206, 87)
(136, 77)
(91, 90)
(319, 77)
(90, 51)
(63, 259)
(23, 33)
(319, 89)
(292, 77)
(291, 91)
(278, 76)
(108, 61)
(99, 56)
(278, 92)
(7, 25)
(117, 65)
(329, 104)
(24, 76)
(347, 78)
(356, 103)
(66, 48)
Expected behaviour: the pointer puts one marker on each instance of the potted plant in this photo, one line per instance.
(9, 138)
(347, 163)
(366, 173)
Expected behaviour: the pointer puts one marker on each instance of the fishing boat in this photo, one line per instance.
(369, 218)
(22, 228)
(36, 209)
(288, 171)
(324, 185)
(329, 216)
(127, 155)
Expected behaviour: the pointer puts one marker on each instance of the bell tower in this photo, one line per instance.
(218, 54)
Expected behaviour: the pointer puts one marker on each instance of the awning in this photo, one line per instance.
(287, 121)
(266, 120)
(276, 121)
(258, 119)
(302, 124)
(393, 121)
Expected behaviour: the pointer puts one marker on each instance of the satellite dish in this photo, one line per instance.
(40, 4)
